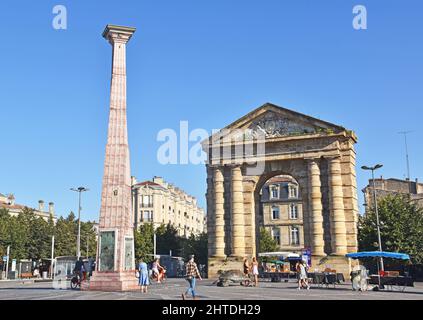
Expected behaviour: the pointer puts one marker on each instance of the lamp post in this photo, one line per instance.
(78, 241)
(378, 166)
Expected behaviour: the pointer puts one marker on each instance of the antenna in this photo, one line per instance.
(405, 133)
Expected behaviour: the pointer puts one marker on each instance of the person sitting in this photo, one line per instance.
(158, 270)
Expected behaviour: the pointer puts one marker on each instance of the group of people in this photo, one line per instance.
(192, 273)
(158, 273)
(251, 268)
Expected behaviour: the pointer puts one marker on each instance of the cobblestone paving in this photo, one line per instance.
(172, 289)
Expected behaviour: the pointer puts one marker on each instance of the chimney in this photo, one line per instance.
(158, 180)
(51, 208)
(41, 205)
(133, 180)
(11, 199)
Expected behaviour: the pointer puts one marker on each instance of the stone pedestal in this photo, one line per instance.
(340, 264)
(216, 264)
(113, 281)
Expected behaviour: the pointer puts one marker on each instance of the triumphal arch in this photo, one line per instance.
(272, 141)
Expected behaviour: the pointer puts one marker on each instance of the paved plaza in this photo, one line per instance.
(206, 290)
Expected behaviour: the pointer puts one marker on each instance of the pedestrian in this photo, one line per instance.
(191, 273)
(158, 270)
(246, 267)
(79, 268)
(302, 275)
(143, 276)
(254, 267)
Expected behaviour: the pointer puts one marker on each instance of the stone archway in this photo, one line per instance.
(318, 154)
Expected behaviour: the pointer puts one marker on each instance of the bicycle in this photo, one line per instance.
(76, 280)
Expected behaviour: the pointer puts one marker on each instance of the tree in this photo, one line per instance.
(167, 239)
(267, 243)
(65, 240)
(401, 227)
(196, 245)
(144, 244)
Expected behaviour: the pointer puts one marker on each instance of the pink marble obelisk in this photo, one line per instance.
(115, 269)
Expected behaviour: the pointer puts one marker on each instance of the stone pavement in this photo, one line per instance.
(172, 289)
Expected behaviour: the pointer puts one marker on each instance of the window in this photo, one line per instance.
(146, 215)
(275, 213)
(295, 236)
(276, 234)
(147, 201)
(293, 191)
(274, 192)
(293, 211)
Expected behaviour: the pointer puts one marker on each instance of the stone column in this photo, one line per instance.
(339, 232)
(116, 257)
(316, 208)
(237, 212)
(219, 212)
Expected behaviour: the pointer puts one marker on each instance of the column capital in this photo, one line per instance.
(118, 34)
(333, 158)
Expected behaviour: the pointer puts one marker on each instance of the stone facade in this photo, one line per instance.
(8, 203)
(319, 155)
(159, 202)
(282, 212)
(392, 186)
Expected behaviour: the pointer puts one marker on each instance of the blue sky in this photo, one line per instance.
(208, 62)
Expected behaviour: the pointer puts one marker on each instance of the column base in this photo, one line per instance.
(219, 264)
(112, 281)
(335, 262)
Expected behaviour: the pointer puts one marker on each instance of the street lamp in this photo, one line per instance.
(378, 166)
(78, 241)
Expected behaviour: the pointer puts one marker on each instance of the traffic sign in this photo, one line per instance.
(4, 258)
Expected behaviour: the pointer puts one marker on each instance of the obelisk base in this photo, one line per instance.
(112, 281)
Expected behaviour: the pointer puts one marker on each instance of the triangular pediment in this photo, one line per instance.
(272, 121)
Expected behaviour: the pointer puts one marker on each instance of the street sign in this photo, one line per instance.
(4, 258)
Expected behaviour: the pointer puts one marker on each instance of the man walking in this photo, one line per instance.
(191, 273)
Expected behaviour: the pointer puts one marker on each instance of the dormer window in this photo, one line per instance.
(274, 191)
(293, 191)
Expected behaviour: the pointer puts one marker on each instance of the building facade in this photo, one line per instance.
(159, 202)
(393, 186)
(271, 141)
(282, 212)
(8, 202)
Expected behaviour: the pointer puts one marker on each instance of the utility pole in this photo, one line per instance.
(378, 166)
(78, 241)
(7, 261)
(405, 133)
(52, 257)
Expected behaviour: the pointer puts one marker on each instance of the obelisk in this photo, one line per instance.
(115, 268)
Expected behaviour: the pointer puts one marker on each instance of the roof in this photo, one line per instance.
(145, 183)
(283, 111)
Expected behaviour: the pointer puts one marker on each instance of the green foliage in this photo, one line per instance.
(401, 228)
(144, 243)
(29, 236)
(267, 243)
(197, 245)
(167, 239)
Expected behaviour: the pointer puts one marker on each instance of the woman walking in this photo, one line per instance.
(302, 275)
(143, 279)
(254, 266)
